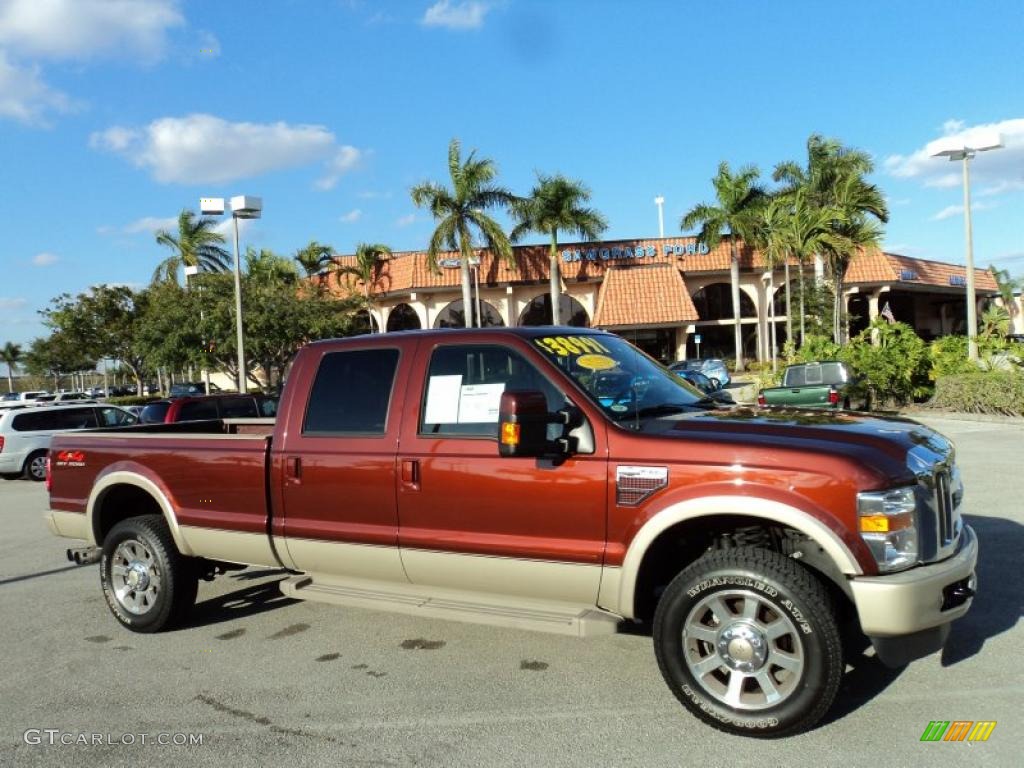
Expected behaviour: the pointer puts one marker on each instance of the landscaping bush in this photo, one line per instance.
(949, 357)
(894, 370)
(817, 348)
(994, 392)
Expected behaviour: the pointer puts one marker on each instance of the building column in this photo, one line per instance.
(682, 336)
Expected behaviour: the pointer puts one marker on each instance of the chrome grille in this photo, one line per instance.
(944, 507)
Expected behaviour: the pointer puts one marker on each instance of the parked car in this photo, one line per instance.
(828, 384)
(709, 387)
(209, 407)
(64, 397)
(21, 398)
(711, 367)
(477, 475)
(191, 389)
(25, 433)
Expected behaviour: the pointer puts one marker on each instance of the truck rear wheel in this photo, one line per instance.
(148, 584)
(748, 641)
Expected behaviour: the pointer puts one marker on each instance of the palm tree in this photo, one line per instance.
(196, 244)
(557, 204)
(265, 267)
(460, 212)
(369, 258)
(772, 239)
(835, 178)
(314, 257)
(1007, 286)
(739, 196)
(10, 355)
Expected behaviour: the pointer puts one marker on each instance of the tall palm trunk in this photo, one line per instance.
(771, 313)
(10, 378)
(556, 282)
(803, 313)
(837, 315)
(734, 279)
(789, 314)
(467, 293)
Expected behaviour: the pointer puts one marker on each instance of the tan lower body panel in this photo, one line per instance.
(557, 617)
(338, 559)
(71, 525)
(230, 546)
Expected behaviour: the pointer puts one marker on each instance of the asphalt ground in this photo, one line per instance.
(267, 681)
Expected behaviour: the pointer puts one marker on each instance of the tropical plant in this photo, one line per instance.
(195, 244)
(460, 213)
(834, 181)
(265, 266)
(10, 355)
(771, 238)
(369, 259)
(892, 361)
(738, 198)
(314, 257)
(1007, 287)
(557, 204)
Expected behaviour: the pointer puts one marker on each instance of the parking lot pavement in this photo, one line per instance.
(270, 681)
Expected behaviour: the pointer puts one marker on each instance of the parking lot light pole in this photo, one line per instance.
(960, 148)
(660, 202)
(242, 207)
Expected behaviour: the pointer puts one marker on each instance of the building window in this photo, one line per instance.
(714, 302)
(538, 311)
(403, 318)
(364, 322)
(454, 316)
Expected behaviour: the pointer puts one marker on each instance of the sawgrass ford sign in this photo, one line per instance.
(609, 253)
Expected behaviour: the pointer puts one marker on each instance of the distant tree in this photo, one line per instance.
(314, 258)
(57, 355)
(734, 216)
(557, 204)
(1007, 287)
(460, 213)
(195, 244)
(370, 258)
(10, 355)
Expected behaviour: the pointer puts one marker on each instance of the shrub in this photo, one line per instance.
(994, 392)
(817, 348)
(949, 356)
(895, 369)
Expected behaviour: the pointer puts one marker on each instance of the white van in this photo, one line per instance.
(12, 399)
(25, 433)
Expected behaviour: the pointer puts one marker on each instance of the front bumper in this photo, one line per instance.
(907, 614)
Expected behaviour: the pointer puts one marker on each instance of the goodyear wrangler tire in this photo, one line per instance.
(747, 640)
(148, 584)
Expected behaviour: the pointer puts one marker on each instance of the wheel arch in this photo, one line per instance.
(704, 516)
(122, 494)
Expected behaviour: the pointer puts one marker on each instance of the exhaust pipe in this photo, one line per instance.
(84, 555)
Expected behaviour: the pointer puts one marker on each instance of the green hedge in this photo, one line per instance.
(994, 392)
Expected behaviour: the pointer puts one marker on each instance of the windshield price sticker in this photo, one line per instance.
(596, 362)
(565, 346)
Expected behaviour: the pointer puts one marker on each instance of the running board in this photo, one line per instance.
(498, 610)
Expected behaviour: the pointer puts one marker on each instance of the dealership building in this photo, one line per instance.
(670, 296)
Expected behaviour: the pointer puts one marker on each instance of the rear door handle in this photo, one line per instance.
(411, 474)
(293, 467)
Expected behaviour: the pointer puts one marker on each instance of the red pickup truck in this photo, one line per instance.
(547, 478)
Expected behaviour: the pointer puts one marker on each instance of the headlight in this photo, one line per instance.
(888, 524)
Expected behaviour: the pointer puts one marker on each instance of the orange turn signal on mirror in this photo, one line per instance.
(884, 523)
(509, 433)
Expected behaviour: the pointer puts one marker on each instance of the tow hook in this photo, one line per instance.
(956, 594)
(84, 555)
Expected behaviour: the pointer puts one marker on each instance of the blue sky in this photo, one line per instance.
(116, 114)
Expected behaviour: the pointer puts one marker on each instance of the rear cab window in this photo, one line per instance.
(351, 393)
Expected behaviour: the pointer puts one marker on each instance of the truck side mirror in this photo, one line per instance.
(523, 420)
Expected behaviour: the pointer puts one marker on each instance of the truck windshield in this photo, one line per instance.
(625, 382)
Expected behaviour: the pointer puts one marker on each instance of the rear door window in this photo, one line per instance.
(238, 408)
(52, 420)
(114, 417)
(198, 410)
(351, 393)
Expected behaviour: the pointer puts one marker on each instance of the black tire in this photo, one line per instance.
(171, 579)
(11, 475)
(35, 466)
(799, 622)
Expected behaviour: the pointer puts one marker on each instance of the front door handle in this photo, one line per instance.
(293, 467)
(411, 474)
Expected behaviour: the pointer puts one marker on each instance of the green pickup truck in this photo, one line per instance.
(828, 384)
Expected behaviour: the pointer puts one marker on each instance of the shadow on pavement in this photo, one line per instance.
(40, 574)
(249, 601)
(261, 573)
(1000, 601)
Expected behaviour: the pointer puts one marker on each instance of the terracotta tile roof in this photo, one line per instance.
(874, 266)
(408, 271)
(648, 294)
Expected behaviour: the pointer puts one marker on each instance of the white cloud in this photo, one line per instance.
(354, 215)
(204, 149)
(344, 160)
(78, 29)
(371, 195)
(25, 97)
(465, 15)
(903, 249)
(150, 224)
(958, 210)
(11, 304)
(45, 259)
(405, 221)
(996, 171)
(226, 228)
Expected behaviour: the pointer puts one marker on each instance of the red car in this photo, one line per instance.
(205, 407)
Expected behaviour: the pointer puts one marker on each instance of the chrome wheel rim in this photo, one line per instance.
(743, 650)
(37, 467)
(135, 577)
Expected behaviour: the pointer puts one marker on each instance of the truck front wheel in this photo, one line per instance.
(148, 584)
(748, 641)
